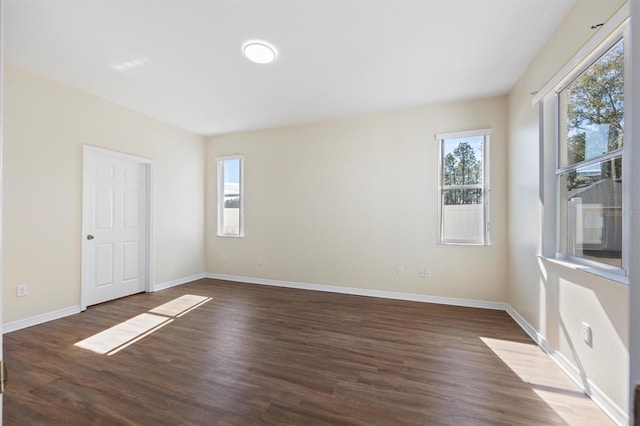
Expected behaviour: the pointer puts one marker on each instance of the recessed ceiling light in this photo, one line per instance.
(259, 52)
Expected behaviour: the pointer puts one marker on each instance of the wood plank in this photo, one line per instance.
(267, 355)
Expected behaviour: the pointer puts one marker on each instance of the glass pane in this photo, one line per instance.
(462, 161)
(591, 212)
(592, 110)
(231, 197)
(462, 196)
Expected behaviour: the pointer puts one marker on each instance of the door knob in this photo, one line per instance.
(89, 237)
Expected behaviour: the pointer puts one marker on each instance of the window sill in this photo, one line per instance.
(612, 276)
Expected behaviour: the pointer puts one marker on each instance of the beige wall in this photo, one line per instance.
(554, 299)
(46, 124)
(345, 202)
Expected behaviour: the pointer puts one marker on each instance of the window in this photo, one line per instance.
(583, 164)
(589, 173)
(464, 187)
(231, 196)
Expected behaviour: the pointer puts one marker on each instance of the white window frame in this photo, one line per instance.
(486, 187)
(220, 195)
(614, 30)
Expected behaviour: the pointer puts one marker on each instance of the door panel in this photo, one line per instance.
(115, 224)
(104, 264)
(130, 261)
(104, 208)
(130, 209)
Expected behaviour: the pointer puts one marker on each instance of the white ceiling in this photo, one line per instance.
(336, 58)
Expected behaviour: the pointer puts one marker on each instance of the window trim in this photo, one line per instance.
(220, 195)
(550, 169)
(605, 34)
(486, 185)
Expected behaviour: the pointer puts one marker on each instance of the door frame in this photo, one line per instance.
(88, 150)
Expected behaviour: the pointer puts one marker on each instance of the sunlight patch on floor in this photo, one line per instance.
(120, 336)
(548, 382)
(180, 306)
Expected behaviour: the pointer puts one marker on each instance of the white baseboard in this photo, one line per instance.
(180, 281)
(39, 319)
(600, 398)
(363, 292)
(50, 316)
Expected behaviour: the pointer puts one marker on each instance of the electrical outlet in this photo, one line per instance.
(222, 258)
(400, 271)
(424, 273)
(260, 261)
(21, 290)
(587, 334)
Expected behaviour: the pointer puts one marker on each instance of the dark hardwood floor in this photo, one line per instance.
(264, 355)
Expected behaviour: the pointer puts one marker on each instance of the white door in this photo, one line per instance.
(115, 226)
